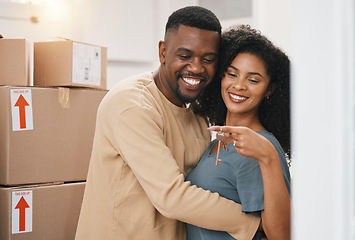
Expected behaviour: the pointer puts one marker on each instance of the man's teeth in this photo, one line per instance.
(236, 97)
(192, 81)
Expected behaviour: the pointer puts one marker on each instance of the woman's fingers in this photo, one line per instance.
(227, 129)
(214, 128)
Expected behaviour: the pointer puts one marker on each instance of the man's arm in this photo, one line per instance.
(161, 179)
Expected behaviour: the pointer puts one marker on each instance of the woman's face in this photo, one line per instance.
(245, 84)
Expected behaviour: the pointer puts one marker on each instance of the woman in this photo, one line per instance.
(251, 97)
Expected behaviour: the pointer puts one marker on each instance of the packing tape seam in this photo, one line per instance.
(64, 97)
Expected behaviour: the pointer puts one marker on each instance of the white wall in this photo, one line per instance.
(274, 18)
(323, 123)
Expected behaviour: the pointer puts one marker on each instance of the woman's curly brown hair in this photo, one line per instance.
(274, 112)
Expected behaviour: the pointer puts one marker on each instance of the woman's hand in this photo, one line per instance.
(249, 143)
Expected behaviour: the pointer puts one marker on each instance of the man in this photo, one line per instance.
(148, 139)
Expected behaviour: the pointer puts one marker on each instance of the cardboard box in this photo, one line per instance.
(40, 212)
(14, 62)
(69, 63)
(46, 133)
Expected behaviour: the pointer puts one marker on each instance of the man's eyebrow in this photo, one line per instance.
(182, 49)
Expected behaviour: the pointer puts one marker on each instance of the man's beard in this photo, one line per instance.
(184, 98)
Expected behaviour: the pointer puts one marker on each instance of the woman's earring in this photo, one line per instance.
(267, 99)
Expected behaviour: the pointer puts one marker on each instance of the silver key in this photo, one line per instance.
(221, 138)
(218, 161)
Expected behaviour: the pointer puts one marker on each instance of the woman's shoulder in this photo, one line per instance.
(269, 136)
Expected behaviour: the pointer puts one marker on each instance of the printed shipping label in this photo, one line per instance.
(86, 64)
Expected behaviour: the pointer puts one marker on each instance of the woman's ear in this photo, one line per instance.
(270, 90)
(162, 51)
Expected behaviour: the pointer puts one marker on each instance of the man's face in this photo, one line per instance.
(189, 61)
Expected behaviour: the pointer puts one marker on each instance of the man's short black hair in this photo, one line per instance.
(193, 16)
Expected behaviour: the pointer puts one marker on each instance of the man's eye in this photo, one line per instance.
(185, 57)
(209, 60)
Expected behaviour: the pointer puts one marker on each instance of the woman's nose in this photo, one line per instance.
(239, 84)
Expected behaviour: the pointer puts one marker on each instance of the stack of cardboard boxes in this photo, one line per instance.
(46, 131)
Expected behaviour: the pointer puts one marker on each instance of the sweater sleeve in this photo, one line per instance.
(138, 134)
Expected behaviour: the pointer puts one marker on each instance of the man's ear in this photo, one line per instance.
(162, 51)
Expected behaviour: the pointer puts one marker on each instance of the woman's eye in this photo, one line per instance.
(253, 80)
(232, 74)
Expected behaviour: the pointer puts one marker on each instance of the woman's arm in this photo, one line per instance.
(276, 216)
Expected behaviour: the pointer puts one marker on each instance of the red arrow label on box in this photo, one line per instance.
(21, 104)
(22, 205)
(21, 211)
(21, 109)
